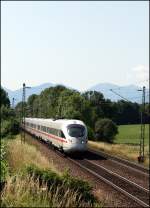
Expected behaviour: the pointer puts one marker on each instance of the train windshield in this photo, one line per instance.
(75, 130)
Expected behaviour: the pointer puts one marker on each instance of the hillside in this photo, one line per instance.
(129, 92)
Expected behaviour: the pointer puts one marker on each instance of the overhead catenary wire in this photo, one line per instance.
(119, 95)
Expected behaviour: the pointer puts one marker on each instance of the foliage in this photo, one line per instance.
(61, 102)
(25, 191)
(8, 127)
(4, 98)
(9, 122)
(90, 133)
(106, 130)
(127, 113)
(82, 188)
(34, 181)
(4, 164)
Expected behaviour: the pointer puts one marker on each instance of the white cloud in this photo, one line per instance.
(141, 74)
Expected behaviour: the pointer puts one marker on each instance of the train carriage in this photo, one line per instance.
(67, 135)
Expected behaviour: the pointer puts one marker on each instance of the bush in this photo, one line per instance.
(105, 130)
(14, 126)
(9, 127)
(90, 133)
(5, 128)
(4, 164)
(82, 188)
(21, 191)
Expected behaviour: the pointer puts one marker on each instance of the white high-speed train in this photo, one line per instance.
(67, 135)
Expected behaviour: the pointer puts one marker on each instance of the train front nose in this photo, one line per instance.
(76, 138)
(76, 145)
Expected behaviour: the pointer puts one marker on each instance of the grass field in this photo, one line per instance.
(126, 144)
(130, 134)
(51, 189)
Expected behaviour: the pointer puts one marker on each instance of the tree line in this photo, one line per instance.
(90, 107)
(61, 102)
(9, 121)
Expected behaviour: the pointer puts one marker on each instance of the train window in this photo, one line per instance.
(75, 130)
(52, 131)
(62, 135)
(55, 132)
(48, 130)
(44, 128)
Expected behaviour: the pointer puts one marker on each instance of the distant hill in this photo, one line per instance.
(17, 94)
(129, 92)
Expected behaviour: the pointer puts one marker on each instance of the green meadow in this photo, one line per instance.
(126, 143)
(130, 134)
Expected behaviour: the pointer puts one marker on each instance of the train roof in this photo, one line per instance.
(55, 123)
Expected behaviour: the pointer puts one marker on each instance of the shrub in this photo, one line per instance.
(14, 126)
(106, 130)
(5, 128)
(4, 164)
(9, 127)
(25, 191)
(82, 188)
(90, 133)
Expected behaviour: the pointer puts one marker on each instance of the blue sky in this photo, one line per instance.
(78, 44)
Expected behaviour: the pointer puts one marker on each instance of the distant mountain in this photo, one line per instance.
(17, 94)
(130, 92)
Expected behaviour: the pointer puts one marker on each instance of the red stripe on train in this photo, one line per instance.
(49, 135)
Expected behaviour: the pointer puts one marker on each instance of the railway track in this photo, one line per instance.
(135, 192)
(124, 162)
(131, 190)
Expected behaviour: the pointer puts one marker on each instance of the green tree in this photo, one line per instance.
(105, 130)
(127, 112)
(9, 123)
(31, 105)
(4, 98)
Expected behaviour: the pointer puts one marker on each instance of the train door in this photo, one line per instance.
(62, 136)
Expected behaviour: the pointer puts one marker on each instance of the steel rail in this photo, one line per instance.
(121, 161)
(119, 176)
(83, 166)
(137, 200)
(126, 193)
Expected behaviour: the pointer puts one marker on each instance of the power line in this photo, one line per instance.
(119, 95)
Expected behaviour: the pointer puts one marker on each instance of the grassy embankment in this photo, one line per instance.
(126, 143)
(33, 181)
